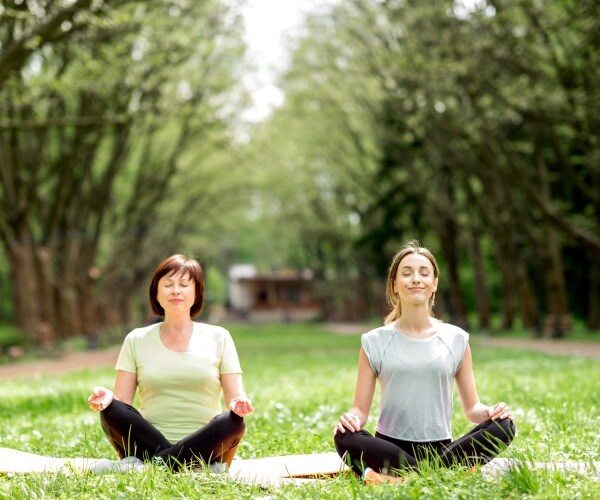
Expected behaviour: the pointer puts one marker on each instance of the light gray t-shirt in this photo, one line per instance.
(416, 377)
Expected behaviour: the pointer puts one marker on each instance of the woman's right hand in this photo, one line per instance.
(348, 420)
(100, 398)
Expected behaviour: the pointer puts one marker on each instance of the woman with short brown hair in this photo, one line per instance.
(180, 368)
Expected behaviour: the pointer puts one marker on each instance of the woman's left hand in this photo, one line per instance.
(241, 406)
(499, 411)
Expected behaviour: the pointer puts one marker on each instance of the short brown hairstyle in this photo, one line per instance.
(173, 265)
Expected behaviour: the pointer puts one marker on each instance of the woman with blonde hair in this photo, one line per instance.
(416, 359)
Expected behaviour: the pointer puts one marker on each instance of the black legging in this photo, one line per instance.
(383, 453)
(132, 435)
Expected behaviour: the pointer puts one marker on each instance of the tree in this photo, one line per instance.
(468, 127)
(98, 128)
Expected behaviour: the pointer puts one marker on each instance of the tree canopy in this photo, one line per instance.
(114, 146)
(472, 126)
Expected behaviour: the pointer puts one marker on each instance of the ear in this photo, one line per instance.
(435, 284)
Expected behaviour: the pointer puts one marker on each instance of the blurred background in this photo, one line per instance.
(293, 169)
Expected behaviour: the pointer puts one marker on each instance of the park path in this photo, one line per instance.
(66, 362)
(80, 360)
(582, 349)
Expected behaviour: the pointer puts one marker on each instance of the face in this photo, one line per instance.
(176, 292)
(415, 280)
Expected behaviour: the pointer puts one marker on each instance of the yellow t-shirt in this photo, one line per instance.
(179, 391)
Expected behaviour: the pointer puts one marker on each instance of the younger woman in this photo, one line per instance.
(417, 358)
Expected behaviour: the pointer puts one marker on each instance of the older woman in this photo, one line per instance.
(416, 359)
(181, 368)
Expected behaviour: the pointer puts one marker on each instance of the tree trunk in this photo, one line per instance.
(25, 285)
(88, 276)
(526, 297)
(593, 314)
(482, 301)
(507, 280)
(558, 321)
(88, 309)
(45, 329)
(448, 231)
(450, 250)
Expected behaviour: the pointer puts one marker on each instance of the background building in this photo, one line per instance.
(284, 295)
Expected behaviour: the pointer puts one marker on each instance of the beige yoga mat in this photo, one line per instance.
(23, 462)
(287, 468)
(270, 471)
(260, 470)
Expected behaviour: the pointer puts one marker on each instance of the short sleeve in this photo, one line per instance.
(126, 360)
(462, 339)
(230, 362)
(369, 346)
(457, 341)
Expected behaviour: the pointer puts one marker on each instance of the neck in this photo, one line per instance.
(177, 325)
(415, 320)
(176, 334)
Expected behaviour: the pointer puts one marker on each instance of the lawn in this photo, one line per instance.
(300, 378)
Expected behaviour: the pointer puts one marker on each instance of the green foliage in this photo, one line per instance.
(215, 286)
(464, 124)
(300, 378)
(116, 150)
(11, 335)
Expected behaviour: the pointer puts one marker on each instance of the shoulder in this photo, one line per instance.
(213, 331)
(452, 332)
(138, 341)
(374, 344)
(143, 332)
(377, 336)
(456, 339)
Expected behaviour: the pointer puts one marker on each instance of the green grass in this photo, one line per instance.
(300, 378)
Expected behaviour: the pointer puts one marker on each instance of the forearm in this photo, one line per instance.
(478, 413)
(127, 400)
(234, 396)
(356, 417)
(360, 414)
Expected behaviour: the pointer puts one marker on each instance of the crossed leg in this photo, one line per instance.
(382, 453)
(132, 435)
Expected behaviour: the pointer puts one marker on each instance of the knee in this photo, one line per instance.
(343, 441)
(508, 429)
(116, 410)
(237, 423)
(507, 425)
(339, 438)
(109, 414)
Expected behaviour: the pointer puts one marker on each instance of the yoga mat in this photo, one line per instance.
(268, 471)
